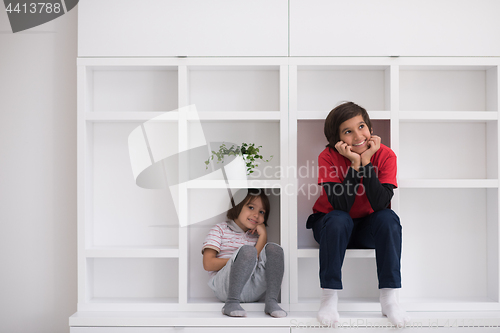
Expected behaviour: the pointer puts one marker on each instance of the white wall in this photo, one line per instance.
(38, 176)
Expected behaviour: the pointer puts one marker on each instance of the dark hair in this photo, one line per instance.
(337, 116)
(252, 194)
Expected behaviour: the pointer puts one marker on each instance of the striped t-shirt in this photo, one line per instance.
(227, 237)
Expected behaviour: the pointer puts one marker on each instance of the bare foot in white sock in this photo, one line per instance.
(328, 314)
(391, 308)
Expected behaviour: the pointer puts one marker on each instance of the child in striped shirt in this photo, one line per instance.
(243, 265)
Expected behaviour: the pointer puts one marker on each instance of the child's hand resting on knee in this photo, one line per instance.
(260, 230)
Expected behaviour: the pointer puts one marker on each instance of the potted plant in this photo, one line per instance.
(248, 151)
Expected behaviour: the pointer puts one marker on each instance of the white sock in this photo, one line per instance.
(391, 308)
(328, 314)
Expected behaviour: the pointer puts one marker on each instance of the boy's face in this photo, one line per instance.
(356, 134)
(251, 215)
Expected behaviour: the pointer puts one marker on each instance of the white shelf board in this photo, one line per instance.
(104, 304)
(120, 61)
(347, 63)
(450, 63)
(160, 116)
(321, 115)
(406, 63)
(408, 304)
(344, 304)
(271, 183)
(131, 116)
(179, 318)
(350, 253)
(213, 304)
(294, 319)
(223, 62)
(131, 252)
(450, 304)
(342, 63)
(235, 115)
(162, 304)
(448, 183)
(130, 300)
(448, 115)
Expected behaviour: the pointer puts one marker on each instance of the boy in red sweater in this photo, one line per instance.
(358, 175)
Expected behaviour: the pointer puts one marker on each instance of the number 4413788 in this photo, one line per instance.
(34, 8)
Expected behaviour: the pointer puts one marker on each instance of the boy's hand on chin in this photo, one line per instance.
(374, 146)
(346, 151)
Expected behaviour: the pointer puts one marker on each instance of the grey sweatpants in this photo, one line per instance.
(253, 290)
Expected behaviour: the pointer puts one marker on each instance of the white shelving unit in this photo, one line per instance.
(132, 253)
(440, 116)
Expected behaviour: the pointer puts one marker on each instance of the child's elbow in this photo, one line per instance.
(207, 265)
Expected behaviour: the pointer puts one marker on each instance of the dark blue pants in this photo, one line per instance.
(337, 231)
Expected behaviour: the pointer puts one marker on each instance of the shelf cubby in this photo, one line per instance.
(198, 291)
(322, 87)
(310, 143)
(262, 133)
(132, 280)
(124, 214)
(234, 88)
(359, 276)
(132, 88)
(455, 226)
(452, 150)
(448, 88)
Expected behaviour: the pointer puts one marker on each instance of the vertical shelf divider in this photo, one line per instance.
(183, 195)
(496, 256)
(292, 198)
(392, 98)
(392, 101)
(88, 144)
(285, 178)
(493, 241)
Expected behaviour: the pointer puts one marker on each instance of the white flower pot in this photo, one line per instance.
(236, 169)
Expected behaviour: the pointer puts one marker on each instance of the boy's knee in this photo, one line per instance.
(337, 220)
(388, 220)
